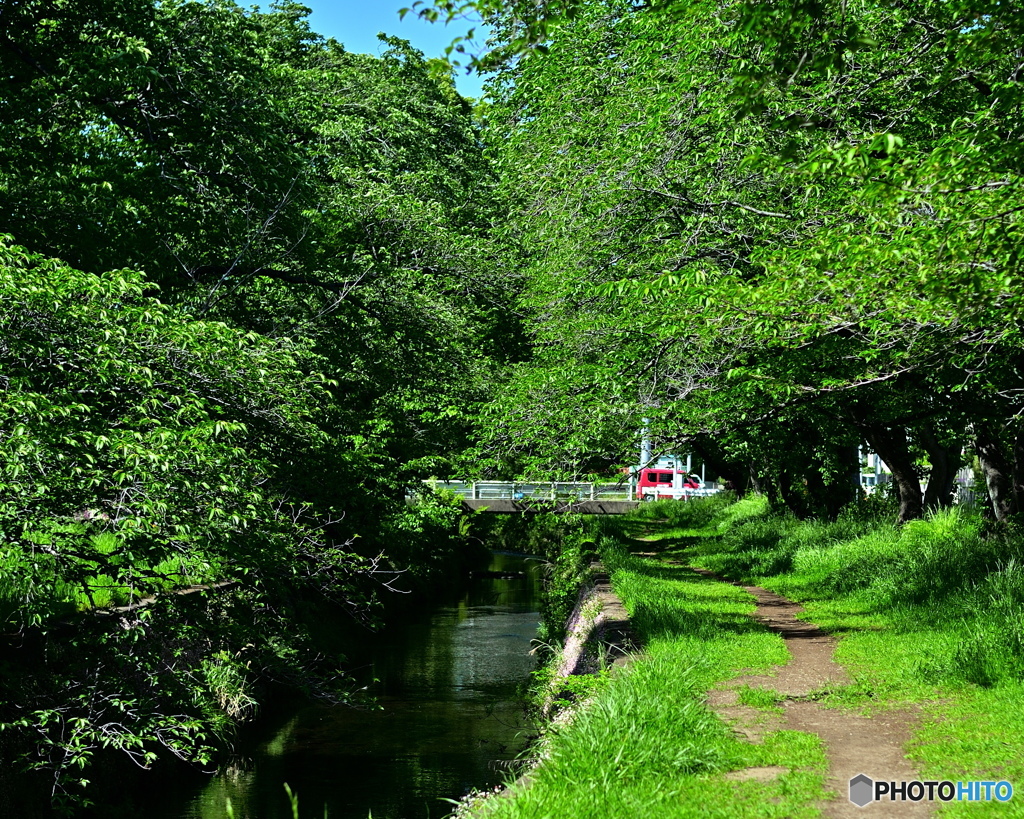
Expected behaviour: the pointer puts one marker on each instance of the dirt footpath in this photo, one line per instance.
(854, 744)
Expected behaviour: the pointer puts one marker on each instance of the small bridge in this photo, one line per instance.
(510, 497)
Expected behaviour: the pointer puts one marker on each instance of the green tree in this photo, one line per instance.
(719, 277)
(241, 162)
(142, 455)
(317, 225)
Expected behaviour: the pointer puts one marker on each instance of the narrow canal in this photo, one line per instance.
(448, 718)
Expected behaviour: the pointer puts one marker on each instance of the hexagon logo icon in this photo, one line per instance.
(862, 790)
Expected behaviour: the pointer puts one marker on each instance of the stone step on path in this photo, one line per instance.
(854, 744)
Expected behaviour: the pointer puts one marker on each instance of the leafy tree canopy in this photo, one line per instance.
(758, 247)
(248, 295)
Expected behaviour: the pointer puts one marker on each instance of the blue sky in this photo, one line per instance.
(355, 23)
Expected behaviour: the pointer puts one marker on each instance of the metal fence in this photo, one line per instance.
(699, 493)
(968, 497)
(551, 491)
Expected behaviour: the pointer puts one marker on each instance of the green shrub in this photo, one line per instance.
(694, 513)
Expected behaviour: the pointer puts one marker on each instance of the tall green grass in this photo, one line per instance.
(947, 571)
(695, 513)
(719, 511)
(930, 614)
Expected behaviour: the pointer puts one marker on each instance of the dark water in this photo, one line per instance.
(448, 719)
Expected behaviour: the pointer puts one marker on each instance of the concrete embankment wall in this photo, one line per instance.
(597, 636)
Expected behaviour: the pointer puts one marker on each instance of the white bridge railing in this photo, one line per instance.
(525, 490)
(552, 491)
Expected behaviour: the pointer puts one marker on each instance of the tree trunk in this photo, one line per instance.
(771, 490)
(945, 460)
(829, 493)
(891, 445)
(844, 487)
(795, 500)
(996, 469)
(1018, 468)
(738, 475)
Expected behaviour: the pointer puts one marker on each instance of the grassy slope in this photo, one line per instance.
(932, 614)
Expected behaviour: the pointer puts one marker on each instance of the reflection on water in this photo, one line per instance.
(448, 719)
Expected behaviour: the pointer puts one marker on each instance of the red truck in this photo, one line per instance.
(656, 483)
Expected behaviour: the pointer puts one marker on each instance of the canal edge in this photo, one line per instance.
(598, 637)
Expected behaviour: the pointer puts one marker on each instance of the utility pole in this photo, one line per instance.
(645, 446)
